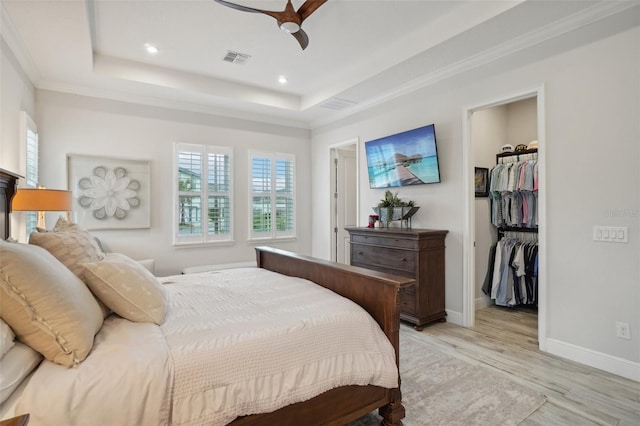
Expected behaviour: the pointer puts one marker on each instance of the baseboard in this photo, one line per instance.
(454, 317)
(599, 360)
(483, 302)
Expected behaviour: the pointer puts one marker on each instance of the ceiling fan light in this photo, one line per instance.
(290, 27)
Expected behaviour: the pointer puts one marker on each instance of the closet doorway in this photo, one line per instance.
(515, 120)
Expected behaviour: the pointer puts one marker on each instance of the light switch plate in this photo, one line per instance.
(614, 234)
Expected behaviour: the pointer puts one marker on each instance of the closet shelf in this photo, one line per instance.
(516, 229)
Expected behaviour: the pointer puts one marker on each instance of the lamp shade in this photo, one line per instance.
(46, 200)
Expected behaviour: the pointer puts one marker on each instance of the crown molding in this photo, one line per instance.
(17, 46)
(587, 16)
(173, 104)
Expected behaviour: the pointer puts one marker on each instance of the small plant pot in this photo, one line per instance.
(387, 214)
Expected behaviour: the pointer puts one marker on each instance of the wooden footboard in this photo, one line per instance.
(378, 294)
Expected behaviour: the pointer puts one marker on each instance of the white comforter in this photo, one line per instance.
(236, 342)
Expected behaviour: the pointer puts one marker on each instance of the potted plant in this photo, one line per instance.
(392, 207)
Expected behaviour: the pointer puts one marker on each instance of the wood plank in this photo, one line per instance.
(504, 340)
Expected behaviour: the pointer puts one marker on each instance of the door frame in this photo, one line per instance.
(333, 204)
(468, 275)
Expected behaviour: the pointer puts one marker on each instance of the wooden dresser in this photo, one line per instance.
(414, 253)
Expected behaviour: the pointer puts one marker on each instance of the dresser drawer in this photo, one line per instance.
(375, 240)
(402, 260)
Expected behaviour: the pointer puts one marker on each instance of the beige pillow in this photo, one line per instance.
(63, 224)
(47, 306)
(127, 288)
(70, 244)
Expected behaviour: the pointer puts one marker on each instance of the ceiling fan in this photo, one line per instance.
(288, 20)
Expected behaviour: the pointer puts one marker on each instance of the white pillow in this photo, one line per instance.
(127, 288)
(7, 338)
(16, 366)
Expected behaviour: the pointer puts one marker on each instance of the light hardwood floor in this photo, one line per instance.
(505, 340)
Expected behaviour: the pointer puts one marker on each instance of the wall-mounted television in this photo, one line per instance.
(407, 158)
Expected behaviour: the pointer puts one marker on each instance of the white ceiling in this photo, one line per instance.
(360, 51)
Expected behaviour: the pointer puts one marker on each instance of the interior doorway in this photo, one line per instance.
(344, 197)
(487, 128)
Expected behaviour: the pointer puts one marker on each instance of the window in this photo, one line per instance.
(29, 165)
(204, 194)
(272, 195)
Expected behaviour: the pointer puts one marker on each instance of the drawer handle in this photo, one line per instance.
(360, 253)
(404, 259)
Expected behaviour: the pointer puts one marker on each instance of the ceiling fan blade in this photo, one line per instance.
(242, 8)
(308, 7)
(288, 20)
(302, 38)
(238, 6)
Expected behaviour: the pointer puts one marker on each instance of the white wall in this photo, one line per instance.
(488, 134)
(70, 124)
(522, 123)
(592, 109)
(17, 94)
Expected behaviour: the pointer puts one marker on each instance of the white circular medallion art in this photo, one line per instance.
(109, 193)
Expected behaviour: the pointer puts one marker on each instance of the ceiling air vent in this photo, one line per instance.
(338, 104)
(236, 57)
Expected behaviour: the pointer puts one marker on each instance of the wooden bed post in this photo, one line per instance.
(379, 294)
(8, 185)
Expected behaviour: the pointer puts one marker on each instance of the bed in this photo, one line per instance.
(378, 294)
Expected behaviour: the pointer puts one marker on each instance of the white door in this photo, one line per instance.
(344, 199)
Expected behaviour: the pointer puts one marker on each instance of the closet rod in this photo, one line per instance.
(521, 233)
(528, 152)
(529, 236)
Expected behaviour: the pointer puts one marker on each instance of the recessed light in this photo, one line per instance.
(282, 79)
(151, 49)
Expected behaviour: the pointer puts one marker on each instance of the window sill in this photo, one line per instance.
(204, 244)
(258, 241)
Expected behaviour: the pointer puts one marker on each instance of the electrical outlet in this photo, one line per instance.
(622, 330)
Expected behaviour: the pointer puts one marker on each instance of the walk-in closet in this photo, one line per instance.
(505, 148)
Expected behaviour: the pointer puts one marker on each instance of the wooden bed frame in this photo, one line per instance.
(377, 293)
(8, 185)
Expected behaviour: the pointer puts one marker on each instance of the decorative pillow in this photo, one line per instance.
(127, 288)
(63, 224)
(16, 366)
(70, 244)
(7, 338)
(46, 305)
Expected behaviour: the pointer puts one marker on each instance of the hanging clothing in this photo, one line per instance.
(486, 285)
(511, 277)
(513, 193)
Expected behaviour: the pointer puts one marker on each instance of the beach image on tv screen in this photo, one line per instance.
(407, 158)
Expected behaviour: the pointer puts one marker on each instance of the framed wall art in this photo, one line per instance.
(482, 182)
(110, 193)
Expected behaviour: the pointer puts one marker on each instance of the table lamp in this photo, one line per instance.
(41, 200)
